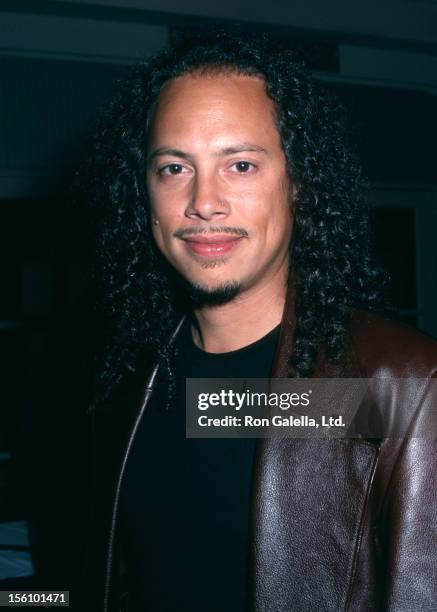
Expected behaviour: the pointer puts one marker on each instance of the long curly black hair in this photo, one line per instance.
(331, 262)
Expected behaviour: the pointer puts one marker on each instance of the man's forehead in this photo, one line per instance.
(221, 97)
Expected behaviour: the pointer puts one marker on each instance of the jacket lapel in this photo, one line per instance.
(309, 497)
(308, 502)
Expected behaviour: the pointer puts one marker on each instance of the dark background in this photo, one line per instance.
(59, 62)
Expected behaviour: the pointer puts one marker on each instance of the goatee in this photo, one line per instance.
(201, 296)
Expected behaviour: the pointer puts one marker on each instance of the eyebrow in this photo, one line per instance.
(231, 150)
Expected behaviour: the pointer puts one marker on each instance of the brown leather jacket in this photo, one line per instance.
(337, 525)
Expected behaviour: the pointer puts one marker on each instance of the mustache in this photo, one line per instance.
(214, 229)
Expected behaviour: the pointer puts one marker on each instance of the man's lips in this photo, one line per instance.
(211, 246)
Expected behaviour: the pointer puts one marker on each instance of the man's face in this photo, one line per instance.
(217, 181)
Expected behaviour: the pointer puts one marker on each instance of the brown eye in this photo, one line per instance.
(171, 169)
(243, 167)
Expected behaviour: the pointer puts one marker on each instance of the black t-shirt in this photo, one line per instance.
(185, 502)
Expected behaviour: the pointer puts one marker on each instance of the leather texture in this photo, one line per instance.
(336, 524)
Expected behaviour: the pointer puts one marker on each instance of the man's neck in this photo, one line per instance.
(244, 320)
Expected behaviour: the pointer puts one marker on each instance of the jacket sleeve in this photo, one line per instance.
(411, 514)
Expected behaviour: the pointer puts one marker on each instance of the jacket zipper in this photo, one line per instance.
(110, 548)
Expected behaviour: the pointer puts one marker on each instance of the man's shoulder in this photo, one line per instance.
(387, 348)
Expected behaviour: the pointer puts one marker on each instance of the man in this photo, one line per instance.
(234, 244)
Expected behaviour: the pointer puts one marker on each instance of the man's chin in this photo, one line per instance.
(200, 295)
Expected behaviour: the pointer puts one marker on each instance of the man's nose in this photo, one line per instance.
(207, 199)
